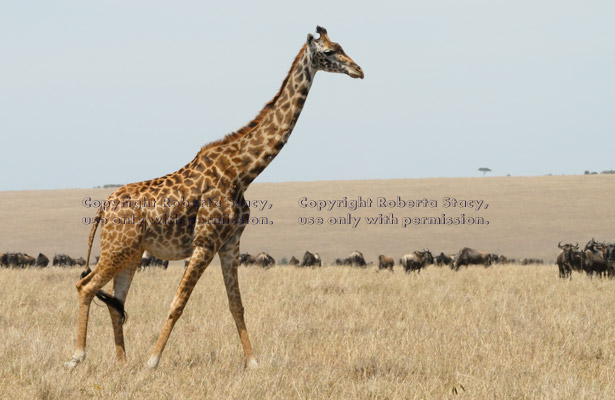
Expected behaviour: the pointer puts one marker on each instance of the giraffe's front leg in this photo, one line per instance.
(229, 258)
(201, 257)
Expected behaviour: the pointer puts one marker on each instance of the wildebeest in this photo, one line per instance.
(503, 260)
(148, 260)
(311, 260)
(467, 256)
(246, 259)
(42, 260)
(443, 259)
(28, 260)
(417, 260)
(63, 260)
(610, 253)
(23, 260)
(17, 260)
(595, 261)
(264, 260)
(568, 256)
(355, 259)
(385, 262)
(528, 261)
(293, 261)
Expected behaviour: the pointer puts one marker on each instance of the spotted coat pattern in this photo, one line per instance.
(199, 211)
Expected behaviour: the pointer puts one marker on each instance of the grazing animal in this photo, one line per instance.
(42, 260)
(148, 260)
(416, 261)
(11, 259)
(355, 259)
(566, 258)
(385, 262)
(246, 259)
(610, 253)
(467, 256)
(17, 260)
(63, 260)
(528, 261)
(28, 260)
(311, 260)
(21, 260)
(443, 259)
(294, 261)
(594, 262)
(264, 260)
(200, 210)
(503, 260)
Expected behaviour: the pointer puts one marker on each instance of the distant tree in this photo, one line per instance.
(484, 170)
(610, 171)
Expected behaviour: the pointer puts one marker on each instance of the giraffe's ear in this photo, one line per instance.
(310, 38)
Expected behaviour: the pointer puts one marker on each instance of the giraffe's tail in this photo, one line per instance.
(113, 302)
(87, 269)
(105, 297)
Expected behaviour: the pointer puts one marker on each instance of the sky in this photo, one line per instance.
(112, 92)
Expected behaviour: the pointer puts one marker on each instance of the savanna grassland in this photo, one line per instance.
(325, 333)
(506, 332)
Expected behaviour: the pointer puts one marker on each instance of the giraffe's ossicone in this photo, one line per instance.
(200, 210)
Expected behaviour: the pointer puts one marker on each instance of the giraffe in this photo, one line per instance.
(199, 210)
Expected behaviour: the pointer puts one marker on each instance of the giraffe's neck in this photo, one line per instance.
(263, 138)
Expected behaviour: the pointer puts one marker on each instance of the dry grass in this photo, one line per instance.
(328, 333)
(334, 332)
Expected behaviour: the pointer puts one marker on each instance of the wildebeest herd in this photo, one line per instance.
(595, 259)
(22, 260)
(411, 262)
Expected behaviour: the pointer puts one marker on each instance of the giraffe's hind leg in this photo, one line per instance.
(229, 258)
(121, 285)
(107, 267)
(87, 288)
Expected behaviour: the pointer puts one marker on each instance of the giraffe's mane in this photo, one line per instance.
(247, 128)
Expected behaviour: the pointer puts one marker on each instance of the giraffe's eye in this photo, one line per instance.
(328, 52)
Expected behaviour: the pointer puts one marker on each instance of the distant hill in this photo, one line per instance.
(527, 216)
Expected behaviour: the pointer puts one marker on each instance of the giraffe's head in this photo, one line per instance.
(329, 56)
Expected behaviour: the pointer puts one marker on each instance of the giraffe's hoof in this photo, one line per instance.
(153, 362)
(251, 363)
(76, 360)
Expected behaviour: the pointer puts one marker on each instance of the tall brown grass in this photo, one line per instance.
(326, 333)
